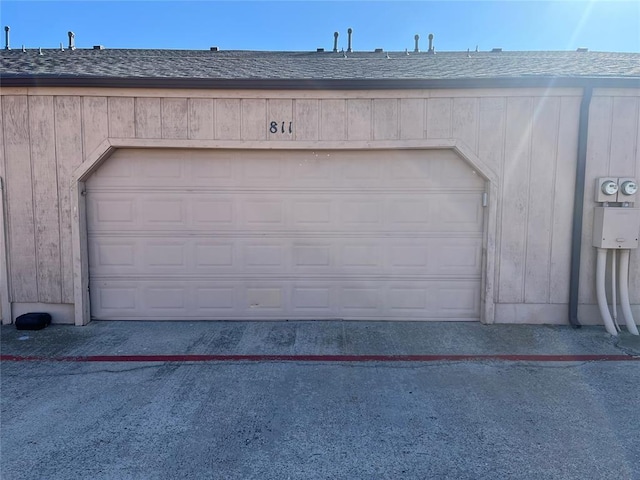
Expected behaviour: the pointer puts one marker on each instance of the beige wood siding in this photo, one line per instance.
(613, 149)
(528, 136)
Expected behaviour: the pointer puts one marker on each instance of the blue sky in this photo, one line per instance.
(306, 25)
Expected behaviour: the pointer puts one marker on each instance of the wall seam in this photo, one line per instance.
(33, 200)
(5, 198)
(135, 117)
(532, 116)
(398, 135)
(55, 152)
(500, 218)
(162, 117)
(637, 139)
(214, 110)
(82, 99)
(189, 109)
(553, 198)
(450, 117)
(425, 117)
(476, 116)
(609, 139)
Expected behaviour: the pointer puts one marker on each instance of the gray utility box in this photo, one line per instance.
(616, 227)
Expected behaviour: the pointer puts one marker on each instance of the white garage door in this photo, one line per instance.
(210, 234)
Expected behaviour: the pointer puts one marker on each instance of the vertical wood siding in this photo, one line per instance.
(201, 118)
(542, 170)
(21, 225)
(333, 120)
(3, 172)
(412, 118)
(95, 126)
(121, 117)
(359, 119)
(45, 199)
(148, 119)
(227, 119)
(530, 141)
(306, 120)
(68, 118)
(174, 117)
(565, 181)
(515, 207)
(613, 149)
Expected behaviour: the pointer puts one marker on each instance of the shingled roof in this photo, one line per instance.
(92, 66)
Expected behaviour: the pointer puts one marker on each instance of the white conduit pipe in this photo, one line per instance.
(601, 266)
(614, 294)
(624, 292)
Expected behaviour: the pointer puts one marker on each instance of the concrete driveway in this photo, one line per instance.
(318, 400)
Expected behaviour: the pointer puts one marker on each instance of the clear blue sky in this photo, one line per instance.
(600, 25)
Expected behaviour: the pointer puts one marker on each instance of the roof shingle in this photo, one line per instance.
(246, 65)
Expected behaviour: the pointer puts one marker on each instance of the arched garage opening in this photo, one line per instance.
(237, 233)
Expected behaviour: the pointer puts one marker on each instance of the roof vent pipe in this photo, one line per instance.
(335, 41)
(72, 43)
(431, 50)
(6, 38)
(349, 49)
(416, 38)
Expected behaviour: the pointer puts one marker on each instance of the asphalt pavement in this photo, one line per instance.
(318, 400)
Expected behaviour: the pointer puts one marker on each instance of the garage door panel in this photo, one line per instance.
(277, 211)
(212, 212)
(308, 256)
(334, 256)
(112, 210)
(460, 299)
(463, 213)
(163, 212)
(253, 235)
(270, 298)
(213, 300)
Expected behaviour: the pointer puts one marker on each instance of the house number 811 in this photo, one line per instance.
(273, 127)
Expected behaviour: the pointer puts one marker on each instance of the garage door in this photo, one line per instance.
(217, 234)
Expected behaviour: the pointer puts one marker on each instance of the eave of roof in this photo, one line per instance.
(317, 84)
(316, 70)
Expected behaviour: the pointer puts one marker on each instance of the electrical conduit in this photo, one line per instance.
(601, 266)
(624, 291)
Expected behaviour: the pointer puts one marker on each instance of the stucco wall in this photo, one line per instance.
(528, 137)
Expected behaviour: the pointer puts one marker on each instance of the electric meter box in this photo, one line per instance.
(616, 227)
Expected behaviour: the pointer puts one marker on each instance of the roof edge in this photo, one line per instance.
(9, 80)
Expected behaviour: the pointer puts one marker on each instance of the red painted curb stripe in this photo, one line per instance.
(322, 358)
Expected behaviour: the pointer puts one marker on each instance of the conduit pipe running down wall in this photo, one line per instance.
(624, 291)
(615, 227)
(601, 266)
(623, 285)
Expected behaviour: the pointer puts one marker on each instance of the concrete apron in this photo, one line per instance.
(315, 340)
(318, 416)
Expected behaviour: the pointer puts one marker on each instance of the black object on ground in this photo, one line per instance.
(33, 321)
